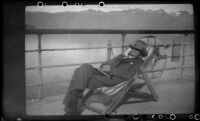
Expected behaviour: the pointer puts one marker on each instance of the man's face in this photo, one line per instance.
(134, 53)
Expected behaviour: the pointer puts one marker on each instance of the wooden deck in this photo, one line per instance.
(175, 96)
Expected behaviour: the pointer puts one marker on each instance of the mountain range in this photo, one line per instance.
(132, 19)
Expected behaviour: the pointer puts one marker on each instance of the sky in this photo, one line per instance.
(107, 8)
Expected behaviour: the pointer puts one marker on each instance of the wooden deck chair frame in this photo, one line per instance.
(118, 99)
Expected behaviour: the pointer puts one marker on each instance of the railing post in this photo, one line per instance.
(183, 58)
(172, 50)
(123, 40)
(40, 66)
(109, 49)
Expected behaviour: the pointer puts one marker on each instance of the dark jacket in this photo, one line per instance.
(121, 70)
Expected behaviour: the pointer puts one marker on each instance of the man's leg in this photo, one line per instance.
(78, 83)
(73, 101)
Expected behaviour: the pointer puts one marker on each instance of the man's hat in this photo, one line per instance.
(140, 46)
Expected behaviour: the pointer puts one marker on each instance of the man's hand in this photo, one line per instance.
(106, 68)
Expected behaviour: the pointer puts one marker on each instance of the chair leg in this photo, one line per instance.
(147, 80)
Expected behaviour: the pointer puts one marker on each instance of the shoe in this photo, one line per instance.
(75, 103)
(79, 106)
(69, 112)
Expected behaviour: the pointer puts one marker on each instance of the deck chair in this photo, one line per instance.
(113, 97)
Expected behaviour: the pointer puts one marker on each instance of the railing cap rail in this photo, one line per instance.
(104, 31)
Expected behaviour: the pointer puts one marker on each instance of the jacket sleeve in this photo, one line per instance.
(113, 61)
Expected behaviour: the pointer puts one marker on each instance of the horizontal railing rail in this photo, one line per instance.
(60, 65)
(87, 48)
(105, 31)
(99, 62)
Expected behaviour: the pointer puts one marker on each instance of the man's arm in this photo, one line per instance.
(112, 61)
(106, 66)
(117, 58)
(102, 71)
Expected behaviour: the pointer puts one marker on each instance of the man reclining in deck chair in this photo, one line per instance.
(117, 70)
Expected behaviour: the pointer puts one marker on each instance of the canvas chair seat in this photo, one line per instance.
(104, 94)
(109, 91)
